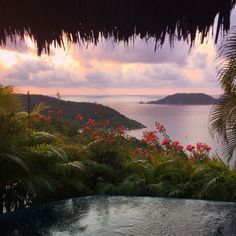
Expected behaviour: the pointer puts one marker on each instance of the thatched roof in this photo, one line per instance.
(88, 20)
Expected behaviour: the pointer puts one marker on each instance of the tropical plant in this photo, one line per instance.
(12, 130)
(28, 159)
(214, 180)
(222, 117)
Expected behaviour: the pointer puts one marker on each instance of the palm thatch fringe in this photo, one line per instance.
(86, 21)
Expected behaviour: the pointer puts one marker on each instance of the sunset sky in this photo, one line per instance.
(112, 69)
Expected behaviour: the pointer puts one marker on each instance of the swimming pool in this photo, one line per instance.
(110, 215)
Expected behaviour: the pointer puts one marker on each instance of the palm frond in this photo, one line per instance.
(223, 114)
(14, 159)
(176, 192)
(77, 165)
(227, 66)
(42, 137)
(58, 153)
(10, 102)
(36, 185)
(78, 186)
(222, 122)
(158, 188)
(48, 150)
(39, 108)
(132, 185)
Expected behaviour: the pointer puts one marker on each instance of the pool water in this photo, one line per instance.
(108, 216)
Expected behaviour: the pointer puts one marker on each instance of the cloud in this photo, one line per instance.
(37, 73)
(115, 66)
(43, 73)
(140, 51)
(166, 77)
(24, 70)
(199, 60)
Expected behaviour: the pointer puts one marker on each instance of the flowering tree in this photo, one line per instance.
(159, 141)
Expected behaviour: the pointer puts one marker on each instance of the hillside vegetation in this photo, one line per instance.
(86, 110)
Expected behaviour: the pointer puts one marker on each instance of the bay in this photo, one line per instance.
(188, 124)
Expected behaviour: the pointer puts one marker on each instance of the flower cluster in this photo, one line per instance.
(202, 147)
(91, 123)
(79, 117)
(166, 142)
(160, 127)
(190, 148)
(176, 144)
(104, 123)
(39, 117)
(200, 152)
(52, 114)
(121, 129)
(140, 152)
(171, 146)
(55, 112)
(100, 131)
(150, 137)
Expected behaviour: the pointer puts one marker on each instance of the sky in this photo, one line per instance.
(112, 69)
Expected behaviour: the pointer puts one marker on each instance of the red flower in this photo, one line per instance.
(59, 112)
(133, 154)
(150, 137)
(180, 147)
(39, 117)
(121, 129)
(175, 143)
(190, 148)
(139, 150)
(110, 138)
(85, 129)
(148, 155)
(105, 123)
(48, 118)
(201, 147)
(193, 158)
(206, 148)
(79, 117)
(165, 142)
(96, 135)
(91, 122)
(160, 127)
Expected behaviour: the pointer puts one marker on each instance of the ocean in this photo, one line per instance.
(185, 123)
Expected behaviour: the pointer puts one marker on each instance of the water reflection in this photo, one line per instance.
(123, 216)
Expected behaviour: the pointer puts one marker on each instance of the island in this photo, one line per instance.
(186, 99)
(86, 110)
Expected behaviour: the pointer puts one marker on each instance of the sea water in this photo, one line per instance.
(188, 124)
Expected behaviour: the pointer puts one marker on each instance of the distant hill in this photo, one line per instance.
(87, 110)
(186, 99)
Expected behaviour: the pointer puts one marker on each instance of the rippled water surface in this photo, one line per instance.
(135, 216)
